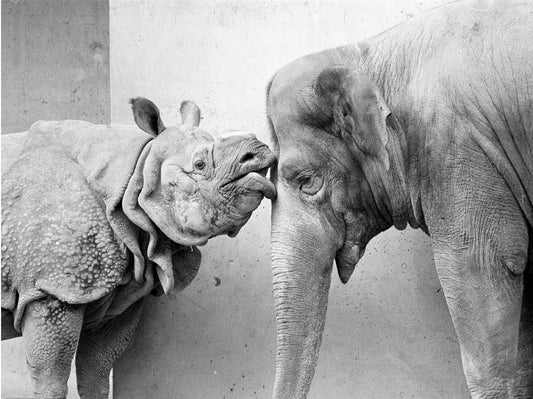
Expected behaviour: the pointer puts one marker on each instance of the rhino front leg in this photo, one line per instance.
(51, 329)
(99, 349)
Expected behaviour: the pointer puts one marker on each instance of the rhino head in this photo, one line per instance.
(195, 186)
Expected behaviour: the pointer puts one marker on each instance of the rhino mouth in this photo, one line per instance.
(263, 172)
(254, 181)
(195, 238)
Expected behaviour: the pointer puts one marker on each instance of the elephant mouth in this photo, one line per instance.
(347, 258)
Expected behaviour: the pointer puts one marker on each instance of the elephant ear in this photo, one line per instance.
(357, 109)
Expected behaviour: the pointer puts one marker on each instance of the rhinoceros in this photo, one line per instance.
(96, 217)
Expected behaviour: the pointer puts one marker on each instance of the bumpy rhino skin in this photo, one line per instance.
(64, 233)
(55, 236)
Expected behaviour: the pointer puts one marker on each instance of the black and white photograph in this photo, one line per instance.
(282, 199)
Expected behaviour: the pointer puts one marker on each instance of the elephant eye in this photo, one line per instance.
(310, 184)
(199, 165)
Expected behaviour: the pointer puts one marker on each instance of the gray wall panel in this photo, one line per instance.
(55, 61)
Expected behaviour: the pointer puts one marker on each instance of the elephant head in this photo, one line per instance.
(196, 187)
(340, 181)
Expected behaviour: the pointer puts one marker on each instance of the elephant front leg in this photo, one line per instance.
(50, 329)
(485, 308)
(525, 340)
(99, 349)
(480, 240)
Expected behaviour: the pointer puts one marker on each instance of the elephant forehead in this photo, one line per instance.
(297, 78)
(284, 98)
(299, 137)
(325, 155)
(290, 79)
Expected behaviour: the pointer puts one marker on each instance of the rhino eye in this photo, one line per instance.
(199, 165)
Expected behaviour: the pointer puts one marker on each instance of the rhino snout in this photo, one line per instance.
(257, 157)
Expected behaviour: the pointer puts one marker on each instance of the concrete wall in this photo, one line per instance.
(388, 334)
(55, 61)
(55, 65)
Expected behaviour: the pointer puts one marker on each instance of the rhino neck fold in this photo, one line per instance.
(157, 247)
(114, 169)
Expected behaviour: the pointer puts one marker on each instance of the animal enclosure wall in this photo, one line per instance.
(388, 332)
(55, 65)
(55, 61)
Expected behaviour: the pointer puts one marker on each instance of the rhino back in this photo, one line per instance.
(56, 239)
(12, 145)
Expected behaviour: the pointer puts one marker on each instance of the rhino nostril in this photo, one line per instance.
(247, 157)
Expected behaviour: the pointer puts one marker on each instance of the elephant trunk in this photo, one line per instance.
(302, 261)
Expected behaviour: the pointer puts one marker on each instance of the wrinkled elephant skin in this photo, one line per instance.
(95, 217)
(428, 124)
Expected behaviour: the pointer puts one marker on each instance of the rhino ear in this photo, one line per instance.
(358, 109)
(146, 115)
(190, 113)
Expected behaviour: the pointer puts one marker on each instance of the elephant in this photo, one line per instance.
(428, 124)
(96, 217)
